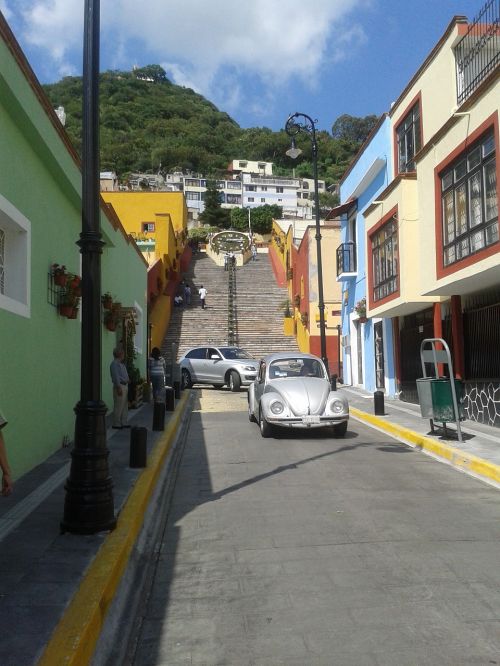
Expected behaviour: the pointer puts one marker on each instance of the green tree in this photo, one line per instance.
(214, 214)
(353, 129)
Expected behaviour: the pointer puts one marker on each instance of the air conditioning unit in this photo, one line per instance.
(346, 341)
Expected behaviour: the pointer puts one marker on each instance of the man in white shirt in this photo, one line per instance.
(203, 294)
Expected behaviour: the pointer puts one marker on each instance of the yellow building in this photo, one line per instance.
(156, 220)
(158, 223)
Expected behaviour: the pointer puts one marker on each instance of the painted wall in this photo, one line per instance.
(482, 272)
(40, 183)
(367, 177)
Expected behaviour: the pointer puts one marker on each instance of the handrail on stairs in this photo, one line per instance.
(232, 314)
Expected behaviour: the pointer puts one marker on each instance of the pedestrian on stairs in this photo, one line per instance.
(187, 294)
(203, 294)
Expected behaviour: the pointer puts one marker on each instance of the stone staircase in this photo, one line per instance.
(259, 315)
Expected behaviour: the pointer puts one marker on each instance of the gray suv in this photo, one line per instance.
(218, 366)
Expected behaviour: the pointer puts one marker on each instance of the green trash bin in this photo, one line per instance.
(442, 400)
(436, 399)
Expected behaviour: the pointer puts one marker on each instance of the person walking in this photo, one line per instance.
(203, 294)
(187, 294)
(7, 485)
(120, 379)
(157, 370)
(254, 252)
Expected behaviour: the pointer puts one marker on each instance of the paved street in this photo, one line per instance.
(313, 550)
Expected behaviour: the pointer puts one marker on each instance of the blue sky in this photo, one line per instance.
(258, 61)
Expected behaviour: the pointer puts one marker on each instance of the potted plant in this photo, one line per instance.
(296, 300)
(360, 309)
(59, 274)
(107, 300)
(112, 316)
(304, 318)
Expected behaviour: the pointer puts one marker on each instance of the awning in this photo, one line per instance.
(336, 212)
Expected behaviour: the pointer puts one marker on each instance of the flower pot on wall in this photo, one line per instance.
(363, 320)
(60, 279)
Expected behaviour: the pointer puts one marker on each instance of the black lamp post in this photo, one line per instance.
(89, 504)
(300, 122)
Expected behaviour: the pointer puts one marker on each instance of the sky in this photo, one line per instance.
(258, 61)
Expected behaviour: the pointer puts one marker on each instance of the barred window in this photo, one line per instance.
(469, 202)
(409, 139)
(385, 260)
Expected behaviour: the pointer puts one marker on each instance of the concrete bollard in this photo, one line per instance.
(169, 399)
(378, 403)
(158, 416)
(177, 390)
(138, 446)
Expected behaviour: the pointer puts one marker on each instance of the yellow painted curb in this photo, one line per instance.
(464, 461)
(74, 639)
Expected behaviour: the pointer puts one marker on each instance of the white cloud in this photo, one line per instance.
(199, 41)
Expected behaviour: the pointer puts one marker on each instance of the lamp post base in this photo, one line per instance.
(89, 507)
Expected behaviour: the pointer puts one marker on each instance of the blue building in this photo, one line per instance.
(367, 344)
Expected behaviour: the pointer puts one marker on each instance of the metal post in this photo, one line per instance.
(293, 126)
(89, 497)
(339, 349)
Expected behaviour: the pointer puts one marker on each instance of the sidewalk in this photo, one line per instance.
(478, 454)
(55, 589)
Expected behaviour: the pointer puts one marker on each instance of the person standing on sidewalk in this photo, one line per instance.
(157, 371)
(203, 294)
(120, 379)
(7, 485)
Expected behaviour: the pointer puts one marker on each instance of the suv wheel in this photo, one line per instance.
(186, 382)
(234, 381)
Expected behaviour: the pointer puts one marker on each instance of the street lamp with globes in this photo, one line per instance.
(296, 123)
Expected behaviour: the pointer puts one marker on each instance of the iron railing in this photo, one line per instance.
(346, 258)
(232, 314)
(478, 52)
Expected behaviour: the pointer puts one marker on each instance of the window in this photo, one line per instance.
(263, 200)
(148, 227)
(199, 352)
(409, 139)
(305, 185)
(243, 165)
(385, 260)
(279, 190)
(263, 188)
(233, 199)
(250, 188)
(250, 199)
(193, 196)
(469, 202)
(15, 276)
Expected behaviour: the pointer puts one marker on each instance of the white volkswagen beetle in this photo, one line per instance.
(293, 391)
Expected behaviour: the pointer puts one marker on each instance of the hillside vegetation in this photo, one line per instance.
(149, 123)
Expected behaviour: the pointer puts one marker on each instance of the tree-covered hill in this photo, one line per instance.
(148, 123)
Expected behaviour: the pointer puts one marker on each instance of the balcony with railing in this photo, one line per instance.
(346, 260)
(478, 52)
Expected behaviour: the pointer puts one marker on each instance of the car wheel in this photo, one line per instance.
(251, 416)
(217, 386)
(186, 381)
(340, 429)
(266, 429)
(234, 381)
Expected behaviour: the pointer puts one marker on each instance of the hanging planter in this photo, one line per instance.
(66, 310)
(360, 310)
(107, 301)
(59, 274)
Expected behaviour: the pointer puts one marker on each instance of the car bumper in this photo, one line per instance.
(299, 422)
(248, 379)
